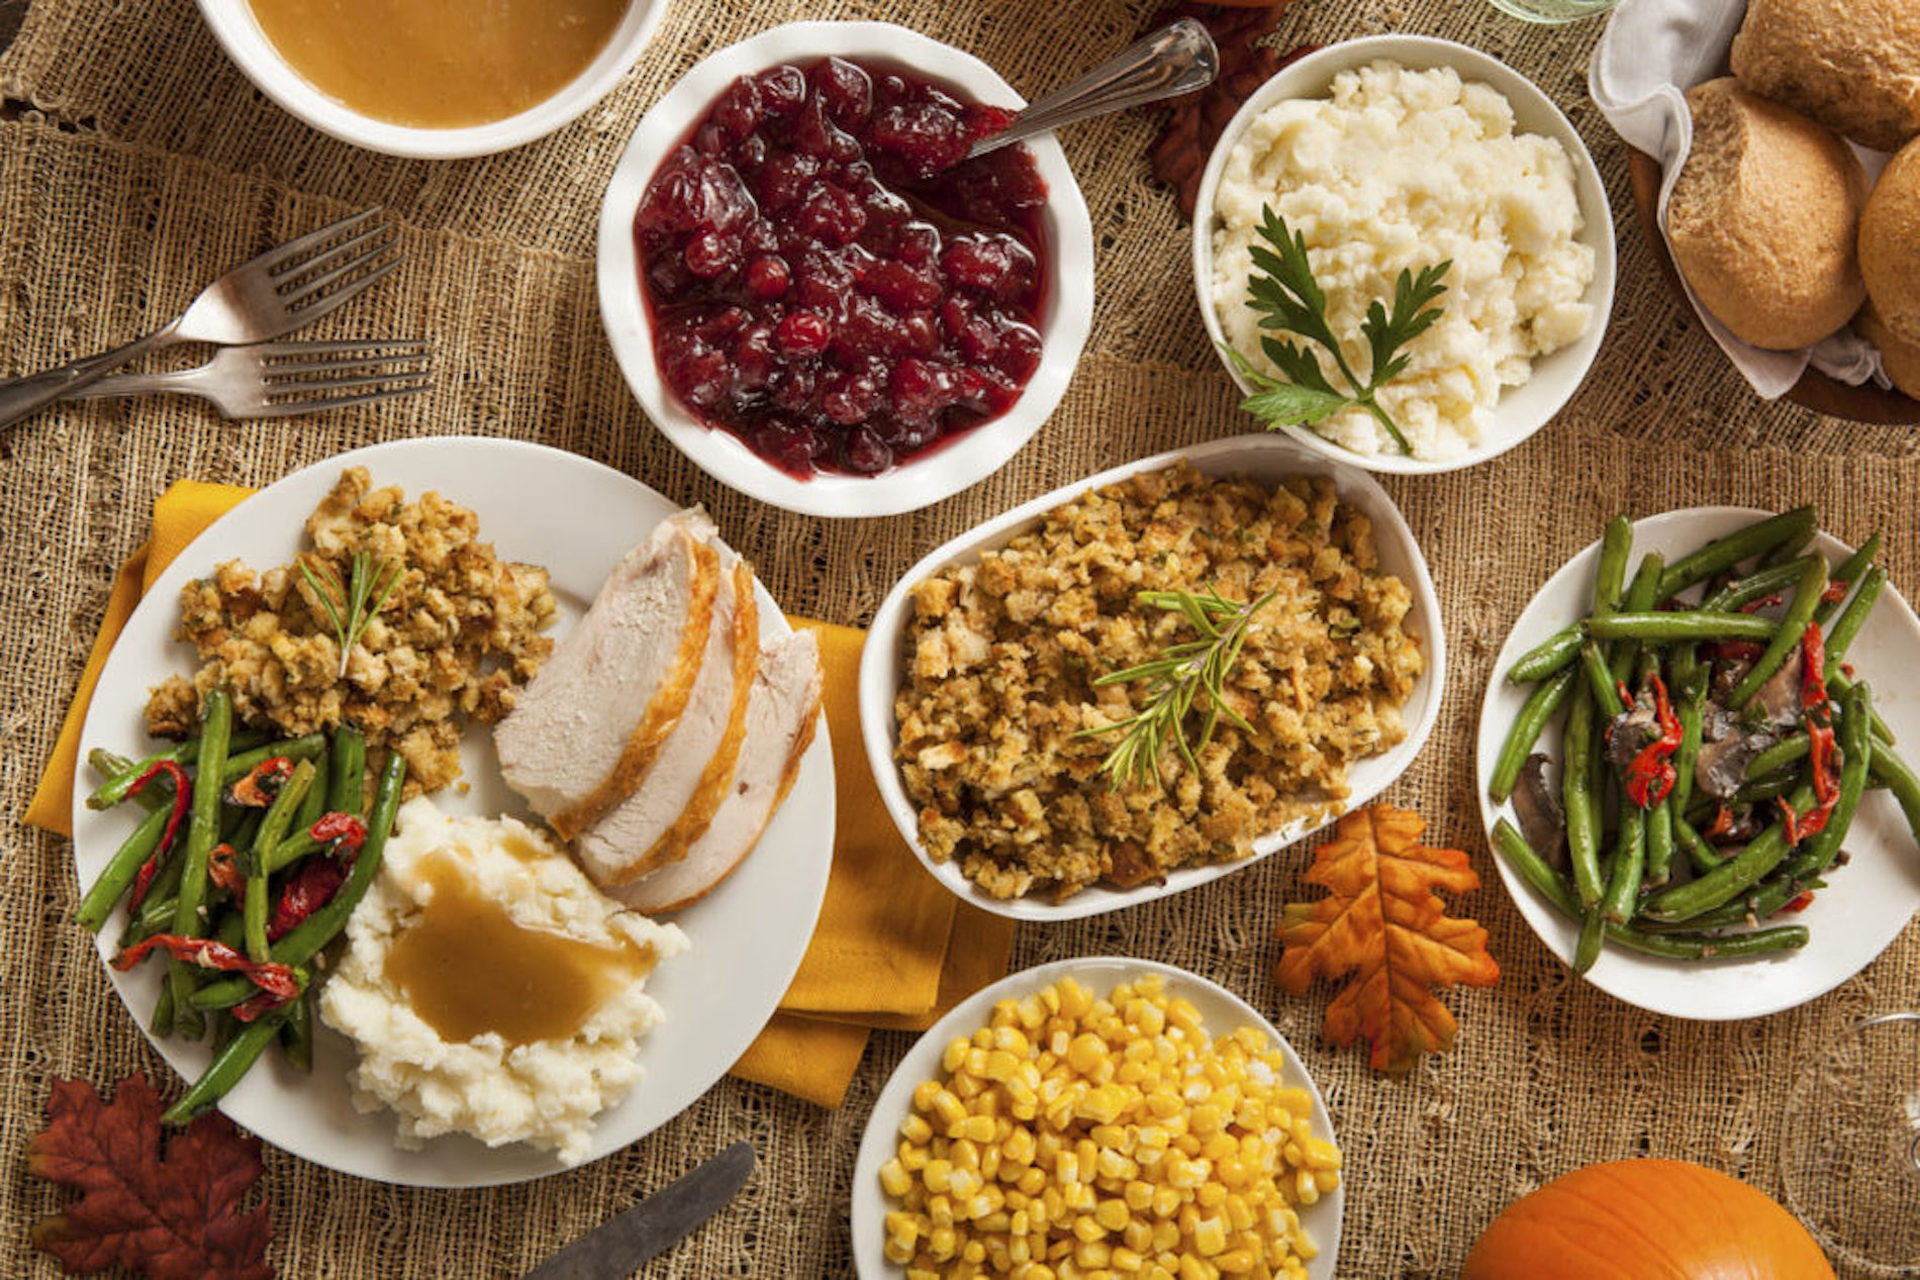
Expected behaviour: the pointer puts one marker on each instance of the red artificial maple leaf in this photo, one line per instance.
(1383, 924)
(175, 1216)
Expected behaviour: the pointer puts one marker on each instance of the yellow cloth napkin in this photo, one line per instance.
(893, 949)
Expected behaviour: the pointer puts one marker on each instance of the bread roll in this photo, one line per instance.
(1900, 358)
(1853, 65)
(1763, 216)
(1890, 243)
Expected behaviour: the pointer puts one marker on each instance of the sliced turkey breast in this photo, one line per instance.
(781, 714)
(588, 726)
(677, 797)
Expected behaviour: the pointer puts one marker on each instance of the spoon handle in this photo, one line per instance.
(1174, 60)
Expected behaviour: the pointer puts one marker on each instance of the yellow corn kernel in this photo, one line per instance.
(1211, 1195)
(1239, 1213)
(941, 1243)
(947, 1108)
(1112, 1214)
(916, 1129)
(1087, 1227)
(938, 1176)
(974, 1251)
(976, 1128)
(912, 1158)
(1191, 1268)
(894, 1178)
(1236, 1262)
(1138, 1195)
(1093, 1253)
(1138, 1235)
(1125, 1259)
(963, 1183)
(940, 1211)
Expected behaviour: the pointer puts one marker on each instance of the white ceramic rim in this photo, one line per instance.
(1555, 377)
(1322, 1219)
(239, 33)
(272, 1096)
(1265, 457)
(1733, 988)
(929, 477)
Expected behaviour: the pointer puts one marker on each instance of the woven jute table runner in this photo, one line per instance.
(136, 163)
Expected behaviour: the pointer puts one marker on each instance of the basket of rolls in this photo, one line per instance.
(1777, 172)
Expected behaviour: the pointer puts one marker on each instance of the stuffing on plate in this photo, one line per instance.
(459, 630)
(1002, 656)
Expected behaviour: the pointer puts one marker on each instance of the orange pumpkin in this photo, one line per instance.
(1646, 1220)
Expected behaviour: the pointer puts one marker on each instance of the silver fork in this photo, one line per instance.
(279, 379)
(281, 290)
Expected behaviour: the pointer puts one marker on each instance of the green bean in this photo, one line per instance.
(1887, 766)
(1663, 628)
(1849, 572)
(296, 1034)
(1799, 616)
(302, 748)
(1788, 549)
(346, 784)
(1610, 572)
(1549, 656)
(1629, 865)
(227, 1067)
(115, 767)
(1639, 599)
(1703, 856)
(1606, 694)
(1755, 586)
(1771, 787)
(1534, 714)
(232, 929)
(1756, 539)
(315, 802)
(1578, 800)
(304, 940)
(1533, 868)
(1689, 697)
(1768, 897)
(118, 783)
(1854, 616)
(161, 1021)
(1731, 878)
(1593, 932)
(118, 875)
(1838, 682)
(1718, 946)
(1660, 843)
(296, 846)
(203, 828)
(292, 795)
(1778, 756)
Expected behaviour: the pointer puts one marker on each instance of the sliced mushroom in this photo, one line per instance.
(1631, 731)
(1542, 821)
(1777, 704)
(1722, 766)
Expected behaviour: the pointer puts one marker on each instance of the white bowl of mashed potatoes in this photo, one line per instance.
(1398, 152)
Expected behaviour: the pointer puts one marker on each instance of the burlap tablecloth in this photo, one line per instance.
(135, 163)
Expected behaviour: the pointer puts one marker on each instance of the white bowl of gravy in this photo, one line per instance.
(434, 79)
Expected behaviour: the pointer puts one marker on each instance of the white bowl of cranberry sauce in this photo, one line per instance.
(813, 301)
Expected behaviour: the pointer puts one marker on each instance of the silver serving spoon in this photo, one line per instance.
(1174, 60)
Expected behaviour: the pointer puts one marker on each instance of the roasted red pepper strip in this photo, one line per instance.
(273, 979)
(1735, 651)
(1836, 592)
(182, 802)
(1800, 903)
(1764, 602)
(1822, 753)
(255, 1005)
(1650, 776)
(1722, 823)
(223, 869)
(1813, 670)
(262, 782)
(311, 888)
(343, 830)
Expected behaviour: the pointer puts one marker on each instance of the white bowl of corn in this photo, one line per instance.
(1116, 1155)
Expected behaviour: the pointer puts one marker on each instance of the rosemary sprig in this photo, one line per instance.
(352, 606)
(1176, 678)
(1288, 298)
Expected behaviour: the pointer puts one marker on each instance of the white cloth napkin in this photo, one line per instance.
(1653, 51)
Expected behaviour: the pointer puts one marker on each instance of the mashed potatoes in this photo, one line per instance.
(490, 988)
(1401, 169)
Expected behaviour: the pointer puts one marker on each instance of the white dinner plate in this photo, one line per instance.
(1865, 904)
(577, 518)
(1266, 457)
(1221, 1012)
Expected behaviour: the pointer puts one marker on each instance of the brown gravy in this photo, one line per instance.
(467, 967)
(439, 64)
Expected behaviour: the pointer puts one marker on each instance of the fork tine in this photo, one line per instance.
(294, 370)
(395, 349)
(329, 255)
(294, 286)
(319, 389)
(292, 249)
(279, 409)
(326, 302)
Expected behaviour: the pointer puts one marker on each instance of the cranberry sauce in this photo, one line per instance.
(829, 280)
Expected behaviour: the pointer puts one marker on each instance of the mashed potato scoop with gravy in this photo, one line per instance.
(1395, 170)
(490, 989)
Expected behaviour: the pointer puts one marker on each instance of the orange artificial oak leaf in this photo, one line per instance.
(171, 1217)
(1384, 924)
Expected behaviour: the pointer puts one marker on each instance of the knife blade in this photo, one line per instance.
(636, 1235)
